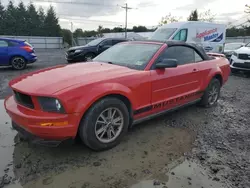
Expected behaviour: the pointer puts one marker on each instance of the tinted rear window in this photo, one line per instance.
(28, 44)
(13, 43)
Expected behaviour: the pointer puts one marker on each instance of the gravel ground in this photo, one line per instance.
(193, 147)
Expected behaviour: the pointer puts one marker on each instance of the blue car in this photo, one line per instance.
(16, 53)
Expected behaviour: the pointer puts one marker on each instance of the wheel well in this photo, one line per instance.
(219, 77)
(118, 96)
(16, 56)
(123, 99)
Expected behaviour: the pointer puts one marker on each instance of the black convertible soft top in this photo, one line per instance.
(196, 47)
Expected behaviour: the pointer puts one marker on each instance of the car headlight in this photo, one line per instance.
(235, 54)
(78, 51)
(49, 104)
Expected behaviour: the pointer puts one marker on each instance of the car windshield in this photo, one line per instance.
(248, 45)
(232, 46)
(131, 55)
(163, 33)
(95, 42)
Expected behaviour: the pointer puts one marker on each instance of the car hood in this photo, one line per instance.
(228, 51)
(80, 47)
(51, 80)
(245, 50)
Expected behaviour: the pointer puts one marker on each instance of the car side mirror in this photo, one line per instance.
(166, 63)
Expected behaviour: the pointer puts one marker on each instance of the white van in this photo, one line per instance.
(209, 35)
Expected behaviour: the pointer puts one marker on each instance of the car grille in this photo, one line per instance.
(244, 56)
(242, 65)
(23, 99)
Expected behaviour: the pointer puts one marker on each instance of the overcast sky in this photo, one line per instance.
(88, 14)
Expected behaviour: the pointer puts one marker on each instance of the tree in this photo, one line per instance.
(78, 33)
(193, 16)
(51, 24)
(168, 19)
(21, 20)
(10, 24)
(41, 16)
(207, 16)
(99, 31)
(33, 21)
(139, 29)
(106, 30)
(2, 19)
(67, 36)
(118, 29)
(247, 9)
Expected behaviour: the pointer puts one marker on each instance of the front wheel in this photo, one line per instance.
(211, 94)
(105, 124)
(18, 63)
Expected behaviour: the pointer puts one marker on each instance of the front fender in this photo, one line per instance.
(86, 96)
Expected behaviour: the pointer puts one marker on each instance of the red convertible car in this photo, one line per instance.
(127, 84)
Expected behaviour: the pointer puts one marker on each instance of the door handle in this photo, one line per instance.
(195, 70)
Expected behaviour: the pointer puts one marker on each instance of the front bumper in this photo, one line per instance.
(75, 57)
(239, 64)
(39, 141)
(28, 121)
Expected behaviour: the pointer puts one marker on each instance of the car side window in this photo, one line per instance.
(3, 43)
(107, 43)
(197, 57)
(12, 43)
(183, 55)
(181, 35)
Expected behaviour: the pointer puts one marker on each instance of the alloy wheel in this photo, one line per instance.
(18, 63)
(213, 94)
(109, 125)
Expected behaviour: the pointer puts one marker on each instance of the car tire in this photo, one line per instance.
(89, 56)
(211, 94)
(95, 133)
(18, 63)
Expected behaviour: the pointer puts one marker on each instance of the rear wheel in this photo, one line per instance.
(211, 94)
(18, 63)
(105, 124)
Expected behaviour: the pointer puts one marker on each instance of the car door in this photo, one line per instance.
(104, 45)
(173, 87)
(4, 60)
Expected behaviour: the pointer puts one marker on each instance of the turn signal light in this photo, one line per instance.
(52, 124)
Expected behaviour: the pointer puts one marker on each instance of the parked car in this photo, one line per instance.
(127, 84)
(91, 50)
(16, 53)
(240, 60)
(231, 47)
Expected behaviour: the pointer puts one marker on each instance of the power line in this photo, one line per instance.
(75, 2)
(84, 19)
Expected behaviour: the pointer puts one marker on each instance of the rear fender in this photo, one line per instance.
(212, 74)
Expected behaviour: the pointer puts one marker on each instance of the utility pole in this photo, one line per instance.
(126, 18)
(72, 37)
